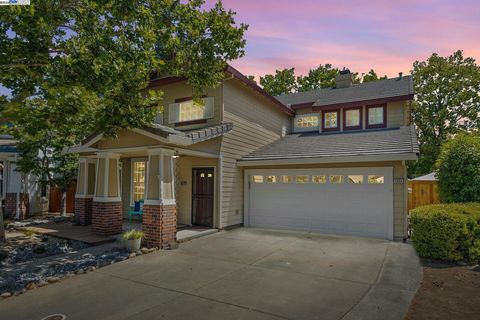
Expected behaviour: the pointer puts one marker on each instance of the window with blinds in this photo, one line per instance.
(190, 110)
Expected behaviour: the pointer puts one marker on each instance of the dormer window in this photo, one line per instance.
(306, 122)
(330, 120)
(376, 116)
(352, 118)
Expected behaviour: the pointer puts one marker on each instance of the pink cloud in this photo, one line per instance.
(387, 36)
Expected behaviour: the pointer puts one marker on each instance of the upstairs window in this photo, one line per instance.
(186, 110)
(330, 120)
(306, 122)
(352, 118)
(376, 116)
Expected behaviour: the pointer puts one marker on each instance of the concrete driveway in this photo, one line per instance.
(240, 274)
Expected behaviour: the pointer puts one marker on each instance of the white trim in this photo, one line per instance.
(108, 154)
(132, 160)
(150, 135)
(83, 196)
(196, 153)
(107, 199)
(345, 159)
(106, 177)
(220, 191)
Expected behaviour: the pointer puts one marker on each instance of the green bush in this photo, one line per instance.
(449, 232)
(458, 169)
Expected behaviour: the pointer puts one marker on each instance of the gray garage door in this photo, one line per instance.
(346, 201)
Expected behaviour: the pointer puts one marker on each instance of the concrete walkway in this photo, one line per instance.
(240, 274)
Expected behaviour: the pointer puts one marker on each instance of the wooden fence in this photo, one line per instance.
(422, 193)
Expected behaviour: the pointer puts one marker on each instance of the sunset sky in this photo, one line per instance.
(385, 35)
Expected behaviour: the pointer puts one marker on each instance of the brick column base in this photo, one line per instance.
(107, 218)
(83, 211)
(10, 204)
(160, 225)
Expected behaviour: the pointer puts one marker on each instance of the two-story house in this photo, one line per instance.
(330, 160)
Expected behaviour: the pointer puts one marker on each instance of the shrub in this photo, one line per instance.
(458, 167)
(449, 232)
(133, 234)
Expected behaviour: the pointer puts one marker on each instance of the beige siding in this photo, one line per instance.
(396, 114)
(179, 90)
(399, 189)
(256, 122)
(126, 139)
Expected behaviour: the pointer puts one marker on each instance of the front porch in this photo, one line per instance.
(176, 187)
(67, 231)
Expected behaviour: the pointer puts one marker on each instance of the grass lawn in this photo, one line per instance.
(447, 292)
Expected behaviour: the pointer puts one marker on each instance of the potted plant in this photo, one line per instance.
(132, 240)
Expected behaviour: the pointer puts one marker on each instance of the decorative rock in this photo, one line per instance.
(31, 286)
(144, 250)
(80, 271)
(53, 279)
(139, 253)
(42, 283)
(92, 268)
(5, 295)
(152, 249)
(132, 255)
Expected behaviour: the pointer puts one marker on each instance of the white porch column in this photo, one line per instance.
(85, 190)
(159, 210)
(107, 201)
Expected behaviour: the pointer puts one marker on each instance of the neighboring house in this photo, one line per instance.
(423, 191)
(20, 194)
(330, 160)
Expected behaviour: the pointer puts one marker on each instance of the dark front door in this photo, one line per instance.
(202, 196)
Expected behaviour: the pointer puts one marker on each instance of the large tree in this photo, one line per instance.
(447, 101)
(372, 76)
(321, 77)
(285, 81)
(282, 82)
(85, 65)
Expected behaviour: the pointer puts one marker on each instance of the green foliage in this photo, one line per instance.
(74, 67)
(446, 103)
(372, 76)
(321, 77)
(458, 168)
(449, 232)
(133, 235)
(282, 82)
(285, 82)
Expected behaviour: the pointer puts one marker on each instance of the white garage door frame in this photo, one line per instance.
(386, 171)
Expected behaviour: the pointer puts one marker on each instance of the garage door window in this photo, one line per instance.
(287, 179)
(374, 179)
(271, 179)
(257, 179)
(319, 179)
(355, 179)
(302, 179)
(336, 179)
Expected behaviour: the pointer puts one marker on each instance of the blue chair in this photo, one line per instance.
(136, 210)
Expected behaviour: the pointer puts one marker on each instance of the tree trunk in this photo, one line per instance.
(63, 203)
